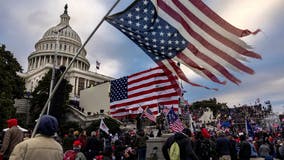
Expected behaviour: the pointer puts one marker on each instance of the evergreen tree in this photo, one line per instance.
(211, 103)
(11, 85)
(59, 102)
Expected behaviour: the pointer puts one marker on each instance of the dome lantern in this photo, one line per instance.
(65, 17)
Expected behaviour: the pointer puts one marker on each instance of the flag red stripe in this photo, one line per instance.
(205, 71)
(143, 100)
(214, 64)
(144, 78)
(143, 72)
(213, 33)
(220, 21)
(181, 74)
(147, 84)
(203, 41)
(150, 91)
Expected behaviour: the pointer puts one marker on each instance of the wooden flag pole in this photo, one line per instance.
(69, 66)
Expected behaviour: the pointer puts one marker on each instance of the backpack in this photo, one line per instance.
(69, 155)
(174, 151)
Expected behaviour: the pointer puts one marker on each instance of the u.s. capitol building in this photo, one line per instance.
(41, 60)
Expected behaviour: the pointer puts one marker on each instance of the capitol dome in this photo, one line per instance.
(66, 32)
(64, 41)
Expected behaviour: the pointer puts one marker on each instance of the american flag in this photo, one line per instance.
(104, 127)
(147, 88)
(174, 122)
(187, 32)
(149, 114)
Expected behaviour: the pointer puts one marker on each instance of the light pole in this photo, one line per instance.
(54, 64)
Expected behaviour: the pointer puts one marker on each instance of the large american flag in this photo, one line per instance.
(187, 32)
(174, 122)
(140, 90)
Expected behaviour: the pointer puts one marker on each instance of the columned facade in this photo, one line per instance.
(65, 45)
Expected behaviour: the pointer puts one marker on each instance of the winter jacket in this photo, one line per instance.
(245, 150)
(223, 146)
(40, 147)
(185, 145)
(264, 150)
(12, 137)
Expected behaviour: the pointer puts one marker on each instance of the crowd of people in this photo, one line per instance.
(47, 145)
(238, 114)
(224, 145)
(199, 144)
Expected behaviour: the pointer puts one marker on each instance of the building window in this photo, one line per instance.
(81, 84)
(92, 83)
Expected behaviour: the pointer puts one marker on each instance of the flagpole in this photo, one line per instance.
(246, 126)
(68, 67)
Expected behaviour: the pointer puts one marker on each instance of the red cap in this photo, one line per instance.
(76, 143)
(12, 122)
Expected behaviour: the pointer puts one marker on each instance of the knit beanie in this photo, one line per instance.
(48, 125)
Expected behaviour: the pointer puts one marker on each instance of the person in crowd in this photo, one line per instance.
(43, 146)
(245, 149)
(68, 140)
(254, 153)
(140, 143)
(223, 146)
(185, 145)
(202, 146)
(264, 150)
(107, 153)
(83, 139)
(233, 147)
(119, 149)
(281, 150)
(76, 153)
(12, 137)
(94, 146)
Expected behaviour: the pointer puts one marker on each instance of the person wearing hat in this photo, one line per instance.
(43, 146)
(76, 153)
(12, 137)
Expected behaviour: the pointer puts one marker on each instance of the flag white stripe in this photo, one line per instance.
(141, 97)
(158, 70)
(149, 88)
(213, 25)
(193, 69)
(195, 42)
(149, 102)
(209, 38)
(146, 81)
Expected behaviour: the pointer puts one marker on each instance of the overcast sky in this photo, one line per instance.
(23, 23)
